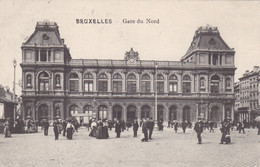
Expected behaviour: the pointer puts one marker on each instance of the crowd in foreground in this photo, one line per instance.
(99, 128)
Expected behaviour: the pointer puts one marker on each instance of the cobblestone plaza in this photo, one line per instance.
(166, 149)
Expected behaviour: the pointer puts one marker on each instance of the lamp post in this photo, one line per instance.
(14, 64)
(155, 107)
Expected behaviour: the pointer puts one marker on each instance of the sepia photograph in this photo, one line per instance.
(129, 83)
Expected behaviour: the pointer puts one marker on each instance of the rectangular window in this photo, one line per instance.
(145, 87)
(131, 86)
(186, 87)
(160, 87)
(117, 86)
(88, 86)
(74, 85)
(173, 87)
(43, 55)
(228, 59)
(202, 59)
(102, 86)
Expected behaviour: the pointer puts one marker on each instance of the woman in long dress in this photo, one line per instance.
(93, 131)
(7, 132)
(69, 129)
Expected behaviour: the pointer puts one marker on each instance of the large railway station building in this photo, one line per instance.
(201, 84)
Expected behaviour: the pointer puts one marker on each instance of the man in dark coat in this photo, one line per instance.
(64, 125)
(56, 129)
(46, 127)
(145, 131)
(184, 126)
(225, 129)
(199, 129)
(176, 124)
(118, 129)
(135, 127)
(211, 124)
(150, 125)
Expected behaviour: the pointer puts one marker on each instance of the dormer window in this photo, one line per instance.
(45, 37)
(212, 41)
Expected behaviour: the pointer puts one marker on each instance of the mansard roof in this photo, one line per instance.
(46, 33)
(207, 38)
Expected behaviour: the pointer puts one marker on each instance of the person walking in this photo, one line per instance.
(145, 130)
(46, 127)
(211, 124)
(184, 126)
(56, 129)
(70, 127)
(118, 129)
(64, 125)
(225, 130)
(150, 125)
(175, 124)
(135, 127)
(7, 132)
(199, 129)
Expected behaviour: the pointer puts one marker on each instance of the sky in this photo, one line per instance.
(237, 21)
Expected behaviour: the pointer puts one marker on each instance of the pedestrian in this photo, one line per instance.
(99, 129)
(145, 131)
(211, 124)
(199, 129)
(93, 126)
(169, 124)
(175, 124)
(184, 126)
(7, 132)
(46, 127)
(105, 129)
(135, 127)
(118, 129)
(123, 125)
(150, 125)
(56, 129)
(70, 128)
(225, 130)
(64, 125)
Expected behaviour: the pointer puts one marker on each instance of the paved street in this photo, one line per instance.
(166, 149)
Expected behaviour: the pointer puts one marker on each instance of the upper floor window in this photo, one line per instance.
(43, 81)
(74, 82)
(73, 110)
(117, 83)
(145, 83)
(160, 83)
(228, 83)
(102, 83)
(214, 84)
(173, 84)
(88, 82)
(131, 83)
(186, 84)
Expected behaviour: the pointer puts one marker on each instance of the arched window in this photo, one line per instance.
(29, 80)
(160, 83)
(173, 84)
(173, 113)
(102, 82)
(131, 83)
(43, 81)
(74, 82)
(186, 84)
(202, 83)
(88, 82)
(117, 112)
(186, 114)
(145, 112)
(102, 112)
(145, 83)
(88, 111)
(117, 83)
(57, 80)
(214, 84)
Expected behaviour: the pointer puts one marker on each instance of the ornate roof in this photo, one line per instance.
(207, 38)
(46, 33)
(131, 55)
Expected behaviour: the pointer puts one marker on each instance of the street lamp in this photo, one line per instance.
(155, 107)
(14, 64)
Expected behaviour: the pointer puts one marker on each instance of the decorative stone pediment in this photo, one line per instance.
(131, 56)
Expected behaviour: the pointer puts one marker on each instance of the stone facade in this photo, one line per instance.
(55, 85)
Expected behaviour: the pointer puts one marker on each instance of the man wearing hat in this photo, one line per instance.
(199, 129)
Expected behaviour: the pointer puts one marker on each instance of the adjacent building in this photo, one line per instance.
(247, 95)
(201, 84)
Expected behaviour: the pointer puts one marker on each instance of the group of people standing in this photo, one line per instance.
(99, 129)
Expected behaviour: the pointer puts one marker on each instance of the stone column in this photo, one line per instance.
(232, 112)
(223, 112)
(197, 111)
(47, 55)
(211, 55)
(138, 114)
(124, 113)
(39, 55)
